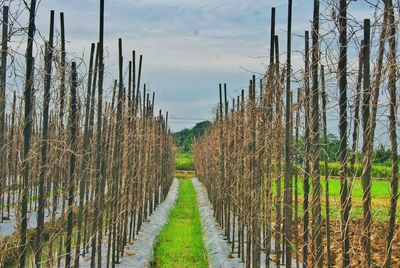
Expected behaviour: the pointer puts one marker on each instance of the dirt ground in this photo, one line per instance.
(378, 244)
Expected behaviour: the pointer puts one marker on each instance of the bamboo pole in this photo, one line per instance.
(96, 236)
(306, 156)
(344, 187)
(85, 162)
(288, 173)
(3, 84)
(73, 125)
(315, 148)
(366, 174)
(44, 143)
(27, 132)
(392, 131)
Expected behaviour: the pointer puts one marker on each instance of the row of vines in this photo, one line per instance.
(80, 169)
(269, 138)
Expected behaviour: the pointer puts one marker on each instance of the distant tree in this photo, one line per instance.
(381, 155)
(333, 147)
(182, 139)
(200, 128)
(185, 137)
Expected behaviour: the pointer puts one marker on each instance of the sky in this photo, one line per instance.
(188, 46)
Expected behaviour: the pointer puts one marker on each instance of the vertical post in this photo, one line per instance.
(85, 162)
(62, 85)
(278, 222)
(73, 123)
(117, 158)
(27, 132)
(344, 187)
(366, 174)
(44, 143)
(316, 181)
(296, 181)
(256, 246)
(288, 175)
(222, 164)
(226, 171)
(306, 156)
(392, 132)
(272, 37)
(99, 180)
(3, 74)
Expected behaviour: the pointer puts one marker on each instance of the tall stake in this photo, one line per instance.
(272, 38)
(269, 116)
(85, 162)
(3, 74)
(63, 67)
(296, 181)
(278, 101)
(44, 143)
(306, 184)
(392, 132)
(288, 175)
(344, 188)
(99, 180)
(61, 168)
(73, 125)
(27, 132)
(316, 181)
(117, 156)
(366, 174)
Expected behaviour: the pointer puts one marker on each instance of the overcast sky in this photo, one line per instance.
(188, 46)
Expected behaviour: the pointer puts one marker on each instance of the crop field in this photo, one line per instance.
(184, 161)
(227, 147)
(380, 188)
(73, 189)
(266, 160)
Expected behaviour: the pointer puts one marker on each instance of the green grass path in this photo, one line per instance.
(181, 240)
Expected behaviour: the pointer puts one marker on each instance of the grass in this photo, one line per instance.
(181, 240)
(380, 193)
(184, 161)
(377, 170)
(380, 189)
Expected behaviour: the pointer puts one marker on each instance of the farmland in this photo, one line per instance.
(380, 189)
(184, 161)
(266, 160)
(290, 162)
(72, 185)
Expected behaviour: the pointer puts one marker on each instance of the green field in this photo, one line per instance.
(184, 161)
(377, 170)
(380, 192)
(380, 189)
(181, 240)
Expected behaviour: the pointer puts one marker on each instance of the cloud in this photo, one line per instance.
(188, 46)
